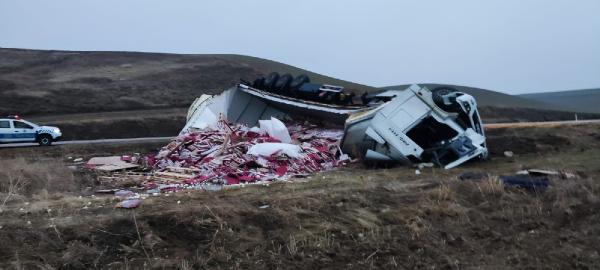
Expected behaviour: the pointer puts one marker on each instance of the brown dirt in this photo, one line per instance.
(541, 140)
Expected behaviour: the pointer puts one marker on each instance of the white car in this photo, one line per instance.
(16, 130)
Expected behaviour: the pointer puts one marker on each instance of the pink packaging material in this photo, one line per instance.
(124, 194)
(234, 154)
(129, 204)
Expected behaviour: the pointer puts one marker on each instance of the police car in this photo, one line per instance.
(16, 130)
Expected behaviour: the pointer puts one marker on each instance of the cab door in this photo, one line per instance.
(23, 132)
(6, 131)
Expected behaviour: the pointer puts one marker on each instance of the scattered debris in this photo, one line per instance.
(225, 154)
(109, 164)
(234, 154)
(473, 176)
(551, 173)
(129, 204)
(129, 199)
(107, 191)
(525, 181)
(425, 165)
(124, 194)
(275, 129)
(543, 172)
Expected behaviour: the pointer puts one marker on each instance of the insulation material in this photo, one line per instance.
(269, 149)
(275, 129)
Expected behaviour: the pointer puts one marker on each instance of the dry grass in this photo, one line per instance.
(21, 179)
(352, 226)
(492, 186)
(351, 218)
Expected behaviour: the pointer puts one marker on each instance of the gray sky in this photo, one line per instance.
(513, 46)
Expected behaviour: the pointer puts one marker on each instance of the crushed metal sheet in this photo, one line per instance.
(108, 164)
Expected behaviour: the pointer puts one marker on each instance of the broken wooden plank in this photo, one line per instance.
(171, 168)
(174, 175)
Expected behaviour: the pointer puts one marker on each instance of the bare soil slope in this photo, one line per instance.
(34, 82)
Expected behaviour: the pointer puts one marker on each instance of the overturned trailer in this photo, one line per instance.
(412, 125)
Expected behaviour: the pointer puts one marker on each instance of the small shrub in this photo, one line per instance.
(21, 177)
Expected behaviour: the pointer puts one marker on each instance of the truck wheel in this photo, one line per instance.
(259, 83)
(270, 81)
(438, 98)
(299, 81)
(45, 140)
(283, 84)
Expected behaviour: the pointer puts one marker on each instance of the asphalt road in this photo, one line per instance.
(165, 139)
(101, 141)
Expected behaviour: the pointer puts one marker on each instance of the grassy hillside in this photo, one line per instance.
(489, 98)
(46, 86)
(35, 82)
(585, 100)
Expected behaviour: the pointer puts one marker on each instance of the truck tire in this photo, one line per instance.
(283, 84)
(270, 81)
(299, 81)
(259, 83)
(438, 93)
(44, 140)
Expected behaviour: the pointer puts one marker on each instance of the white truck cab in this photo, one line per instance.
(16, 130)
(441, 125)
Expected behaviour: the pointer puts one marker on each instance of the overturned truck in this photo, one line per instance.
(412, 125)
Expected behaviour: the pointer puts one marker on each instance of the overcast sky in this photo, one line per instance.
(513, 46)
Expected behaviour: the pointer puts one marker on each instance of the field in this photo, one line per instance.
(357, 217)
(35, 82)
(491, 98)
(95, 95)
(585, 100)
